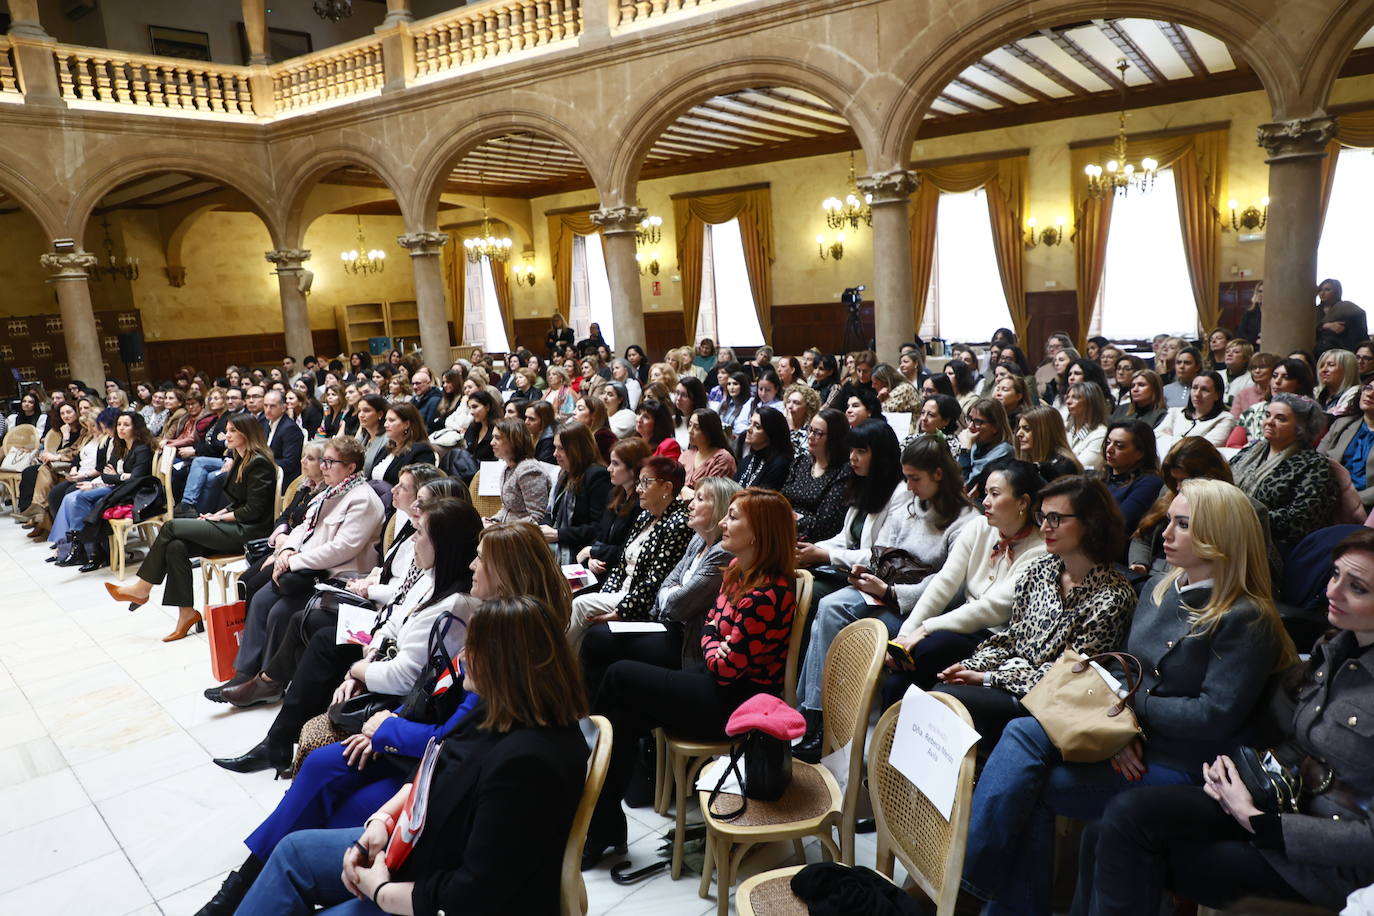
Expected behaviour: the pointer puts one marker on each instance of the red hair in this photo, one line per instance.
(770, 516)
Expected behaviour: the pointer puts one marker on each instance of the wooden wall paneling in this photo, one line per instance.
(662, 332)
(1049, 312)
(529, 333)
(214, 354)
(818, 324)
(1235, 299)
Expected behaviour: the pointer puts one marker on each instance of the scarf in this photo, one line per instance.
(1258, 462)
(316, 507)
(412, 576)
(1006, 546)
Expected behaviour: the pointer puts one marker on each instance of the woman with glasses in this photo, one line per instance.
(656, 542)
(1351, 442)
(1208, 637)
(1071, 598)
(987, 439)
(818, 480)
(1364, 361)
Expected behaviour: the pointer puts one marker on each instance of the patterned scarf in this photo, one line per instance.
(1006, 546)
(316, 507)
(412, 576)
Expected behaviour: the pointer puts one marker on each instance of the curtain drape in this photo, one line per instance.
(754, 210)
(1199, 164)
(562, 228)
(1355, 130)
(1004, 181)
(500, 279)
(455, 274)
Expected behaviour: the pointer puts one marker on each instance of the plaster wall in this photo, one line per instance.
(22, 242)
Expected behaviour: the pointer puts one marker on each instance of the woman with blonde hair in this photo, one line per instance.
(1085, 422)
(665, 373)
(560, 393)
(1338, 382)
(1041, 440)
(800, 403)
(1208, 637)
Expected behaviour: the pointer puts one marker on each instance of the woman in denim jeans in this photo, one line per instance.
(1208, 637)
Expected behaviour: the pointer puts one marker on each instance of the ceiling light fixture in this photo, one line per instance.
(1118, 175)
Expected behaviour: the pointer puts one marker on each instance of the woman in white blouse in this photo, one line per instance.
(1085, 421)
(983, 567)
(1205, 414)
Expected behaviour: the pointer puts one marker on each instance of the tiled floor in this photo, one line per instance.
(110, 802)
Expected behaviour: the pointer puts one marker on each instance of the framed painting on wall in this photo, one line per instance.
(282, 44)
(179, 43)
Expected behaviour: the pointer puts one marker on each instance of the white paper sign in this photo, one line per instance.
(578, 576)
(489, 484)
(354, 625)
(900, 423)
(929, 746)
(711, 773)
(837, 762)
(635, 626)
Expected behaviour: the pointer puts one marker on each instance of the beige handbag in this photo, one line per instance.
(1080, 711)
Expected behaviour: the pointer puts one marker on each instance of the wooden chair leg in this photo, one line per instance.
(681, 784)
(799, 849)
(663, 792)
(725, 875)
(704, 889)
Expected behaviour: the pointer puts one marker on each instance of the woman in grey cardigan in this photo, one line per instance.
(688, 592)
(524, 484)
(1211, 844)
(1208, 637)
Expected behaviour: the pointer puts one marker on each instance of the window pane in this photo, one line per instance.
(474, 325)
(968, 302)
(580, 305)
(491, 314)
(1344, 252)
(599, 288)
(737, 321)
(706, 314)
(1145, 286)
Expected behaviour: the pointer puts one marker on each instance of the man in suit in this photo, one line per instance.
(252, 400)
(284, 437)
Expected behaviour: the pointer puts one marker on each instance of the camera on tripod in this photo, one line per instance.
(853, 298)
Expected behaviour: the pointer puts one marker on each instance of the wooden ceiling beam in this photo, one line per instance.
(730, 129)
(779, 103)
(757, 116)
(1083, 58)
(1133, 52)
(1038, 64)
(975, 89)
(160, 192)
(955, 103)
(1003, 76)
(1183, 47)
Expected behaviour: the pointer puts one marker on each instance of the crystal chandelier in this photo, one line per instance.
(1118, 175)
(334, 10)
(363, 260)
(487, 245)
(115, 268)
(851, 211)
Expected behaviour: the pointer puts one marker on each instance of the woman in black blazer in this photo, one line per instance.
(251, 488)
(505, 787)
(578, 502)
(621, 509)
(409, 443)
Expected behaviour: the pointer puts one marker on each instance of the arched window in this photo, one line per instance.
(1145, 288)
(1343, 252)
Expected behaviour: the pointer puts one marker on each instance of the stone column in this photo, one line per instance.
(295, 316)
(255, 25)
(431, 299)
(618, 227)
(397, 12)
(24, 19)
(893, 321)
(33, 54)
(70, 270)
(1296, 149)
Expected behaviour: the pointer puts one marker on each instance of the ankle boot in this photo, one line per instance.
(808, 750)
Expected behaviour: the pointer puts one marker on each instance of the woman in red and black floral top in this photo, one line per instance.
(744, 641)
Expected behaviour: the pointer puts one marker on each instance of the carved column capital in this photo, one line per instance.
(69, 265)
(1296, 139)
(288, 260)
(892, 187)
(423, 244)
(615, 220)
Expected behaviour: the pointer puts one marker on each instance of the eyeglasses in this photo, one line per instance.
(329, 462)
(815, 434)
(1365, 359)
(1051, 520)
(977, 421)
(646, 482)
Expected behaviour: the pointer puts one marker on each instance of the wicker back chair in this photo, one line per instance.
(573, 890)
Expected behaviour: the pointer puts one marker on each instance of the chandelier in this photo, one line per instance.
(852, 210)
(1119, 175)
(650, 231)
(334, 10)
(487, 245)
(115, 268)
(363, 260)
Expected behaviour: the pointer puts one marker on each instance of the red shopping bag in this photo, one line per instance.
(224, 623)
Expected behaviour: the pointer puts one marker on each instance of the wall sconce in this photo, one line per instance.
(647, 265)
(1252, 218)
(833, 250)
(1049, 236)
(525, 273)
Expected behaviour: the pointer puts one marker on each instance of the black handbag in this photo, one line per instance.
(350, 715)
(420, 704)
(256, 550)
(766, 774)
(1273, 787)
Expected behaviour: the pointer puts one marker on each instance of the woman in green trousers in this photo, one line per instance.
(251, 488)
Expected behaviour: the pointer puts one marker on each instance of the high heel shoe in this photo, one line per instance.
(184, 626)
(120, 594)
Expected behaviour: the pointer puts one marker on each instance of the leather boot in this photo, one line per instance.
(808, 750)
(255, 692)
(262, 757)
(227, 898)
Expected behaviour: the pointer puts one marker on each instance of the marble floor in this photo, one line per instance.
(110, 802)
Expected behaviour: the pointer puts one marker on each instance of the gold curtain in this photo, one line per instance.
(1199, 164)
(754, 210)
(562, 228)
(455, 274)
(1355, 130)
(1005, 183)
(500, 278)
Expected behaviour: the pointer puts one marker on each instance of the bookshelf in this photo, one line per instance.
(363, 320)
